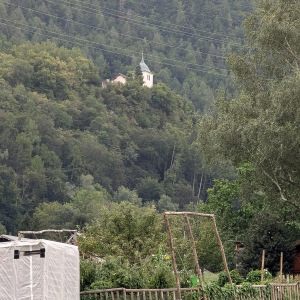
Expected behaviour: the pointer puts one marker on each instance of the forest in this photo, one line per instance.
(218, 132)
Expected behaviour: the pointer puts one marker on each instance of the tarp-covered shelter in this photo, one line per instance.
(38, 270)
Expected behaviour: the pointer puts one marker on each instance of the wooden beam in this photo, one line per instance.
(173, 256)
(195, 256)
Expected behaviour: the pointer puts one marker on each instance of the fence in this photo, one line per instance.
(274, 291)
(140, 294)
(290, 291)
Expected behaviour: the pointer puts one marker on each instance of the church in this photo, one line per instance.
(122, 79)
(147, 74)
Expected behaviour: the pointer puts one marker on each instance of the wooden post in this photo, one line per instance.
(173, 256)
(195, 256)
(263, 265)
(222, 250)
(281, 266)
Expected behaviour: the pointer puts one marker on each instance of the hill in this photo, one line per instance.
(185, 42)
(58, 124)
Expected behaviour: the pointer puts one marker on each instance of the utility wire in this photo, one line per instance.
(105, 45)
(84, 43)
(94, 7)
(147, 25)
(107, 30)
(192, 13)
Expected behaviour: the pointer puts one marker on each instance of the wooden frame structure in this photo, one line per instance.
(72, 239)
(186, 215)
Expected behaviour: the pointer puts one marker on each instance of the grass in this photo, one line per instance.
(209, 276)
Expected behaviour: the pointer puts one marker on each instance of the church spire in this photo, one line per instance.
(147, 74)
(143, 66)
(142, 61)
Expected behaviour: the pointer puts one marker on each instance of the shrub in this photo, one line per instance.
(115, 273)
(235, 277)
(254, 276)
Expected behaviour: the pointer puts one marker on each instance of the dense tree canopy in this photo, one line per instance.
(184, 42)
(58, 124)
(259, 129)
(109, 160)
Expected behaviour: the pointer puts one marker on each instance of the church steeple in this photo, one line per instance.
(143, 66)
(147, 74)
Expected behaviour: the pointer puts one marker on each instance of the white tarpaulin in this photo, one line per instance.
(39, 270)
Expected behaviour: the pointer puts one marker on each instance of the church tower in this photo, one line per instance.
(147, 74)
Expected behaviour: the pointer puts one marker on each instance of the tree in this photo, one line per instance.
(269, 234)
(138, 75)
(124, 194)
(2, 229)
(149, 189)
(54, 215)
(234, 203)
(9, 199)
(260, 125)
(165, 204)
(123, 230)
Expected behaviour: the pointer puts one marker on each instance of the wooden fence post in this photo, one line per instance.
(263, 265)
(281, 266)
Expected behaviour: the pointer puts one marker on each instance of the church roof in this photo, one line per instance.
(143, 66)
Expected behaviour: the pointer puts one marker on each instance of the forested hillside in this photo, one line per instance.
(209, 136)
(58, 124)
(185, 42)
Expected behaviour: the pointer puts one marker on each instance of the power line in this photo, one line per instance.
(104, 45)
(105, 50)
(107, 30)
(192, 13)
(83, 8)
(161, 22)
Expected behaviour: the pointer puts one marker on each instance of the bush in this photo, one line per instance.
(235, 277)
(158, 271)
(2, 229)
(254, 276)
(115, 273)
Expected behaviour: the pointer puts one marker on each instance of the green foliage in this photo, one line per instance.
(124, 194)
(54, 215)
(244, 291)
(9, 191)
(153, 272)
(177, 61)
(60, 126)
(123, 230)
(231, 205)
(149, 190)
(214, 291)
(116, 273)
(254, 276)
(88, 274)
(269, 234)
(260, 124)
(235, 277)
(158, 271)
(2, 229)
(207, 247)
(257, 130)
(165, 204)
